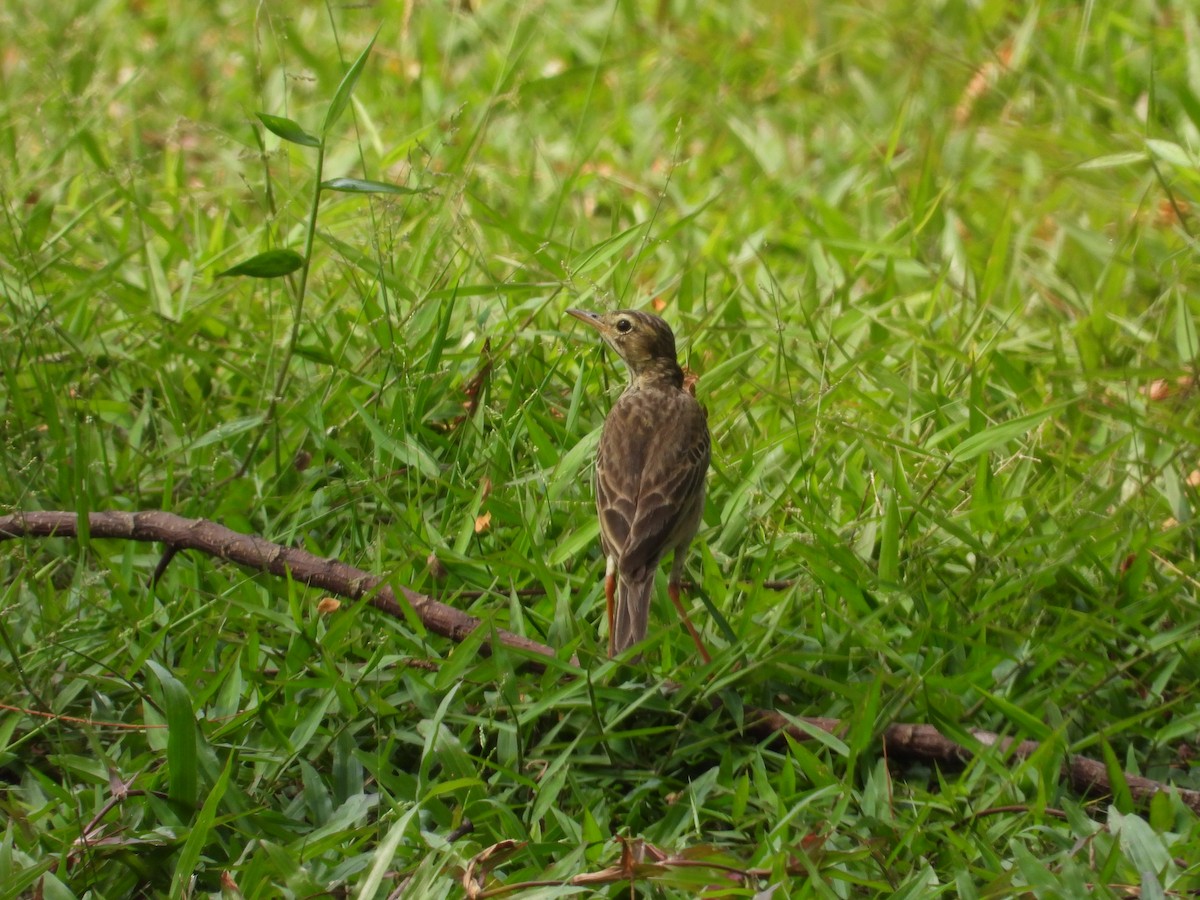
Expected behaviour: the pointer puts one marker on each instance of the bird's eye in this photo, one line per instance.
(624, 326)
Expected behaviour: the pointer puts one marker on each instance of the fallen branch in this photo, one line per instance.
(640, 861)
(924, 742)
(253, 552)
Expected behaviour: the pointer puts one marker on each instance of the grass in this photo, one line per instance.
(935, 267)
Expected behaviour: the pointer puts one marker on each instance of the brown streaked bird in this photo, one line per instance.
(650, 469)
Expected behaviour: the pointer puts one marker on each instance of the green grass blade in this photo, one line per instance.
(341, 97)
(288, 130)
(201, 832)
(182, 761)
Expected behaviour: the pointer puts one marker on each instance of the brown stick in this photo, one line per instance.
(1086, 776)
(253, 552)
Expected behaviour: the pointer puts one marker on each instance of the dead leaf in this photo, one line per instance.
(328, 605)
(484, 861)
(1159, 389)
(229, 887)
(1171, 211)
(983, 79)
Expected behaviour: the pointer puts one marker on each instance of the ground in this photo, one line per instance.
(935, 269)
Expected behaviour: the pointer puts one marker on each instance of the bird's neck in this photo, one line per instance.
(657, 373)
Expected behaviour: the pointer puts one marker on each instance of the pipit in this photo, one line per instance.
(650, 467)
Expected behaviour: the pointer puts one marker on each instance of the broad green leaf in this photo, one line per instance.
(579, 541)
(37, 224)
(862, 727)
(1145, 849)
(198, 838)
(314, 716)
(596, 256)
(1113, 160)
(341, 99)
(1035, 872)
(1030, 724)
(226, 430)
(998, 435)
(566, 474)
(366, 186)
(1171, 152)
(1189, 102)
(350, 814)
(889, 541)
(384, 853)
(288, 130)
(721, 373)
(1187, 345)
(456, 784)
(431, 730)
(406, 452)
(820, 735)
(181, 738)
(271, 264)
(1118, 784)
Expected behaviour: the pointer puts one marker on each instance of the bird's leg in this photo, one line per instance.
(610, 599)
(673, 593)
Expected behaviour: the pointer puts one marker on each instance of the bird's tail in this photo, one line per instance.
(632, 612)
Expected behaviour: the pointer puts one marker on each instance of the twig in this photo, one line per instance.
(253, 552)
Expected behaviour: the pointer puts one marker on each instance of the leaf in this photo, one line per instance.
(831, 741)
(198, 837)
(1187, 345)
(181, 738)
(37, 225)
(1034, 871)
(383, 853)
(288, 130)
(1113, 160)
(366, 186)
(991, 438)
(1144, 848)
(1121, 795)
(457, 784)
(1172, 153)
(565, 475)
(226, 430)
(407, 452)
(341, 98)
(889, 541)
(351, 813)
(1189, 103)
(602, 252)
(271, 264)
(1027, 722)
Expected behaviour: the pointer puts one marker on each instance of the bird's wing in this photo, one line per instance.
(650, 469)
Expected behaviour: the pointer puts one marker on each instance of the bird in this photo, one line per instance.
(651, 465)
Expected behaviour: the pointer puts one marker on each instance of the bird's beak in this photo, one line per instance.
(591, 318)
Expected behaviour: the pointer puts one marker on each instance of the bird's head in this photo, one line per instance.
(642, 339)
